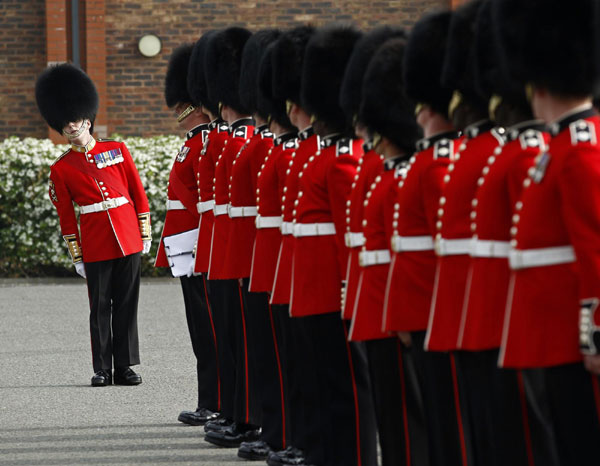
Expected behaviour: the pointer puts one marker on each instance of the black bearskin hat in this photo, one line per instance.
(288, 61)
(267, 102)
(423, 61)
(489, 75)
(458, 69)
(196, 78)
(550, 43)
(223, 64)
(350, 94)
(253, 53)
(176, 91)
(385, 108)
(65, 94)
(327, 54)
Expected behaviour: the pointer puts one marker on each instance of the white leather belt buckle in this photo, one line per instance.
(376, 257)
(452, 247)
(411, 243)
(526, 258)
(205, 206)
(313, 229)
(489, 248)
(354, 240)
(245, 211)
(220, 209)
(103, 206)
(268, 222)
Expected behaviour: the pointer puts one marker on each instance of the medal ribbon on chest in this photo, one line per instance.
(108, 158)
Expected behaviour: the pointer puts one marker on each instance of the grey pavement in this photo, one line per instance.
(48, 412)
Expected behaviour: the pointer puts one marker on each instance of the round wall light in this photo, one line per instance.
(149, 45)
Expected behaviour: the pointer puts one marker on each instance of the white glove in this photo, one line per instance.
(80, 269)
(146, 247)
(191, 269)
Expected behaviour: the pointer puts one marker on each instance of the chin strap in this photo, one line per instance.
(76, 134)
(183, 115)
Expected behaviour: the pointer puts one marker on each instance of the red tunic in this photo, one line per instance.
(377, 227)
(270, 184)
(411, 273)
(487, 284)
(308, 144)
(560, 207)
(369, 166)
(205, 176)
(182, 187)
(240, 131)
(107, 234)
(319, 261)
(454, 223)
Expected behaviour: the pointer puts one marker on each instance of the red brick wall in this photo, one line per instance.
(22, 57)
(134, 84)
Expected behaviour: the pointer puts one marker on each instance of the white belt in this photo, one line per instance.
(287, 228)
(220, 209)
(412, 243)
(379, 256)
(452, 247)
(103, 206)
(175, 205)
(205, 206)
(268, 222)
(313, 229)
(489, 248)
(522, 259)
(354, 240)
(246, 211)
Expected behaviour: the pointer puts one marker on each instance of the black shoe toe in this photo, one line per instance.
(257, 451)
(197, 418)
(126, 376)
(101, 379)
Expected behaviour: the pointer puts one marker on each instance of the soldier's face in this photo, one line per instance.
(72, 127)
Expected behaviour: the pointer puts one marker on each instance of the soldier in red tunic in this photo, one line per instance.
(496, 397)
(101, 178)
(296, 350)
(551, 321)
(223, 64)
(412, 271)
(388, 115)
(320, 256)
(180, 233)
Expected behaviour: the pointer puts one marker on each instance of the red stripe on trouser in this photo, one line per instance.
(461, 432)
(596, 387)
(212, 325)
(524, 412)
(355, 391)
(404, 410)
(275, 344)
(245, 353)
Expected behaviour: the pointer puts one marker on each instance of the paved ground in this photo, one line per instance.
(48, 412)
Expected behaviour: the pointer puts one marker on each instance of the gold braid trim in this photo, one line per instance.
(74, 248)
(144, 222)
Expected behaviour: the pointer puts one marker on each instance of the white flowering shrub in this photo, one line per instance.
(30, 240)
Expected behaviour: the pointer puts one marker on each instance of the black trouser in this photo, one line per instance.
(567, 398)
(223, 295)
(299, 379)
(492, 402)
(202, 334)
(347, 422)
(263, 339)
(438, 384)
(400, 422)
(113, 290)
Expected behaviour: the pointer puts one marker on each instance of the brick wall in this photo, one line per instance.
(134, 84)
(22, 57)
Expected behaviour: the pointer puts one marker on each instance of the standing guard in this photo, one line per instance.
(180, 232)
(551, 322)
(101, 178)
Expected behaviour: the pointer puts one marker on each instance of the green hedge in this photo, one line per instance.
(30, 241)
